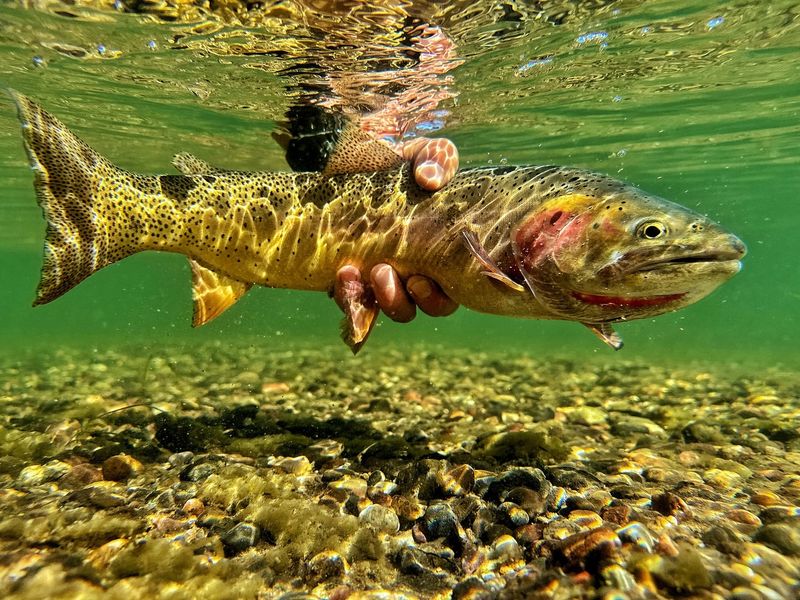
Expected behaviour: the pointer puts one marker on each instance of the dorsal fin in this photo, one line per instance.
(356, 151)
(189, 164)
(317, 139)
(213, 293)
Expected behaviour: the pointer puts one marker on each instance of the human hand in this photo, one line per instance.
(435, 161)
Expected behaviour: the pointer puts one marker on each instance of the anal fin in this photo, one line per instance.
(213, 293)
(606, 333)
(360, 314)
(492, 270)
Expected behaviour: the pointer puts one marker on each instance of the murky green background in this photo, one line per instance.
(696, 101)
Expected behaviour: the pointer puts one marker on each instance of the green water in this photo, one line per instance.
(698, 102)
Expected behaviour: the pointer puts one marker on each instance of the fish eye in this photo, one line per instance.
(652, 230)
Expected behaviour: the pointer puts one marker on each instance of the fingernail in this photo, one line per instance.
(420, 288)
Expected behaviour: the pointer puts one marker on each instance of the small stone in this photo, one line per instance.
(530, 478)
(327, 565)
(588, 415)
(777, 514)
(81, 475)
(38, 474)
(194, 507)
(439, 521)
(765, 498)
(782, 537)
(515, 516)
(683, 573)
(180, 459)
(636, 533)
(629, 425)
(587, 519)
(618, 514)
(724, 539)
(669, 504)
(380, 517)
(505, 548)
(532, 502)
(240, 537)
(743, 516)
(298, 465)
(457, 481)
(580, 547)
(722, 478)
(121, 467)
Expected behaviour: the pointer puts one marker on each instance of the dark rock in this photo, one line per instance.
(529, 446)
(618, 514)
(240, 537)
(198, 471)
(669, 504)
(531, 501)
(586, 549)
(779, 514)
(782, 537)
(526, 477)
(683, 573)
(514, 516)
(724, 539)
(121, 467)
(702, 433)
(470, 589)
(439, 521)
(179, 434)
(570, 477)
(81, 475)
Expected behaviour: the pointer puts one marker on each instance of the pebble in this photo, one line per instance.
(577, 548)
(81, 475)
(34, 475)
(782, 537)
(439, 521)
(326, 565)
(241, 537)
(121, 467)
(380, 517)
(193, 506)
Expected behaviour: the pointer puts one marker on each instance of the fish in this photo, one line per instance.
(545, 242)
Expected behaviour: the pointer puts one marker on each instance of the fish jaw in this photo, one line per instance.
(621, 256)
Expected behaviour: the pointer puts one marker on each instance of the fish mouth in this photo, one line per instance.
(727, 258)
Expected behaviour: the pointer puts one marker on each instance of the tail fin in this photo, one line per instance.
(66, 172)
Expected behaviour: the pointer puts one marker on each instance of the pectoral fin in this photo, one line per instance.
(606, 333)
(360, 314)
(492, 270)
(213, 293)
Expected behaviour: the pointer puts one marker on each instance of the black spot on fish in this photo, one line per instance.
(209, 178)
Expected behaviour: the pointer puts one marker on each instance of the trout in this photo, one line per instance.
(545, 242)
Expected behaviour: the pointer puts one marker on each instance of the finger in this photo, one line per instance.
(429, 297)
(435, 164)
(346, 277)
(391, 294)
(435, 161)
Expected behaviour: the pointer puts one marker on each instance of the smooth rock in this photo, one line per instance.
(380, 517)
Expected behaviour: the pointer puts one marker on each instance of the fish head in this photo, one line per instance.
(613, 252)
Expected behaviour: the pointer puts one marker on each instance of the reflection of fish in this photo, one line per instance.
(543, 242)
